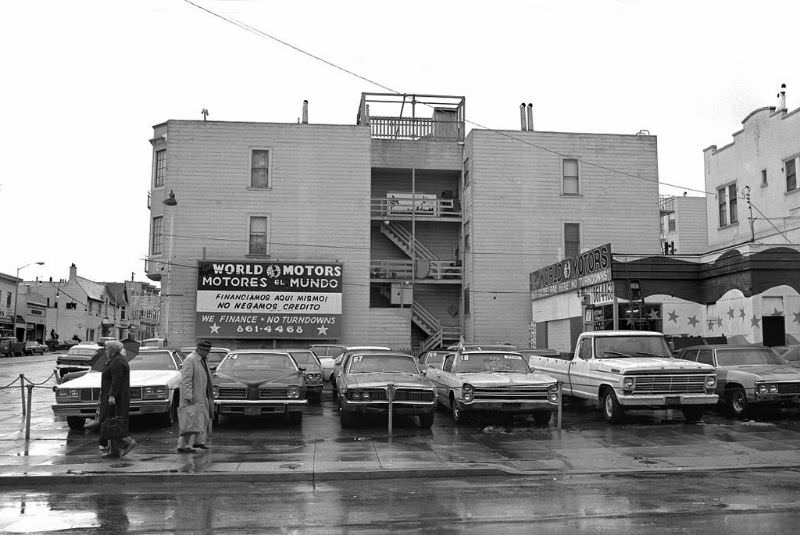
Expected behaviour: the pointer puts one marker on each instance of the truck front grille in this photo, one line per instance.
(670, 384)
(520, 393)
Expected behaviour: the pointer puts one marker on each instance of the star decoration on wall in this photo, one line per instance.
(754, 322)
(673, 316)
(741, 313)
(653, 314)
(693, 321)
(322, 330)
(731, 313)
(214, 328)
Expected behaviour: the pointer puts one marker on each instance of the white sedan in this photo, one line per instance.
(155, 381)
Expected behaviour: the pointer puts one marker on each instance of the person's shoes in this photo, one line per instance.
(128, 447)
(201, 446)
(110, 455)
(185, 449)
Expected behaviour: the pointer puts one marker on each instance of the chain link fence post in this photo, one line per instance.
(22, 391)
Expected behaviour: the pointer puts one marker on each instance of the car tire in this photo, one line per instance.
(612, 410)
(426, 420)
(295, 418)
(347, 419)
(542, 418)
(737, 403)
(76, 422)
(692, 414)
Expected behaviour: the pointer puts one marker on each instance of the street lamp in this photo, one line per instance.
(170, 201)
(16, 300)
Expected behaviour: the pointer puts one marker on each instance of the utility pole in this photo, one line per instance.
(750, 210)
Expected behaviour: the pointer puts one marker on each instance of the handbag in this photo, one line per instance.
(113, 426)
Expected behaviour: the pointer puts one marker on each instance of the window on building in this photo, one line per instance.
(259, 169)
(571, 182)
(8, 300)
(727, 202)
(159, 168)
(572, 239)
(763, 177)
(732, 200)
(156, 235)
(791, 174)
(466, 301)
(71, 306)
(671, 225)
(258, 236)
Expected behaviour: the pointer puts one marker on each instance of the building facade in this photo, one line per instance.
(683, 225)
(755, 180)
(401, 230)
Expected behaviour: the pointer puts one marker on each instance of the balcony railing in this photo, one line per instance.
(412, 117)
(426, 270)
(450, 208)
(415, 128)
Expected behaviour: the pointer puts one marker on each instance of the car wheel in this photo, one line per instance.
(456, 412)
(295, 418)
(76, 422)
(692, 414)
(347, 419)
(542, 418)
(426, 420)
(737, 402)
(612, 410)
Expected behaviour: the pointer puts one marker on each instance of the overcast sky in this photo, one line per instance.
(83, 82)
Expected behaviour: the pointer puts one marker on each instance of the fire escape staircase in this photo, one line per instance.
(401, 237)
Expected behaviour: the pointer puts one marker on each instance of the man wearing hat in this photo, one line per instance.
(197, 401)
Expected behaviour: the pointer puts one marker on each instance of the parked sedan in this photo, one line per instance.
(348, 352)
(214, 357)
(748, 375)
(327, 353)
(154, 383)
(256, 382)
(32, 347)
(78, 360)
(312, 370)
(494, 382)
(370, 380)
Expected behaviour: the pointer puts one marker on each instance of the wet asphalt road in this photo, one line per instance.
(744, 500)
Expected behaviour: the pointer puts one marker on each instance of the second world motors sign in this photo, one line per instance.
(269, 300)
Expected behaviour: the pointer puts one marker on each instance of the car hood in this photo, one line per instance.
(503, 379)
(766, 372)
(649, 364)
(381, 379)
(92, 379)
(257, 378)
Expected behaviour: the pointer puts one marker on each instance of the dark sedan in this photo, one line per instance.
(256, 382)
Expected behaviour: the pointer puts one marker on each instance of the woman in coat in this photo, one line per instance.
(115, 399)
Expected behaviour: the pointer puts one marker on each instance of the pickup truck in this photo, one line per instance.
(632, 370)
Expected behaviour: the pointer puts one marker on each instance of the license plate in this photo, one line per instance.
(673, 401)
(252, 411)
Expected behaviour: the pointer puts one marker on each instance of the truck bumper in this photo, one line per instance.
(667, 400)
(88, 410)
(509, 406)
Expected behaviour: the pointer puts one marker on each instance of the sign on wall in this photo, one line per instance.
(269, 300)
(586, 269)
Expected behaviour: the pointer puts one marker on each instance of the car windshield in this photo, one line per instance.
(631, 346)
(744, 357)
(81, 351)
(434, 358)
(327, 351)
(153, 360)
(251, 362)
(304, 357)
(383, 363)
(492, 362)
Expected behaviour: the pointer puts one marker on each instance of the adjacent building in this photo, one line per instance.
(400, 230)
(683, 224)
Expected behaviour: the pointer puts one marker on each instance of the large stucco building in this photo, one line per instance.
(419, 233)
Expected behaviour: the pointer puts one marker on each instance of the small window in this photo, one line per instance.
(259, 169)
(791, 175)
(466, 172)
(571, 182)
(727, 202)
(732, 204)
(258, 236)
(8, 300)
(159, 168)
(723, 207)
(671, 225)
(572, 239)
(763, 177)
(156, 235)
(466, 301)
(71, 306)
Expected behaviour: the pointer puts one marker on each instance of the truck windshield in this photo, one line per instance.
(631, 346)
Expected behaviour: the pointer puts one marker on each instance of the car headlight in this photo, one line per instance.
(358, 395)
(628, 383)
(155, 392)
(467, 392)
(711, 382)
(765, 388)
(552, 393)
(216, 391)
(64, 395)
(293, 392)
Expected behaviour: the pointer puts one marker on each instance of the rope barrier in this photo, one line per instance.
(52, 374)
(28, 381)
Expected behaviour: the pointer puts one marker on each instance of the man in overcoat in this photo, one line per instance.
(197, 401)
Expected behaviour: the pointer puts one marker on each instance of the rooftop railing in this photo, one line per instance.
(413, 117)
